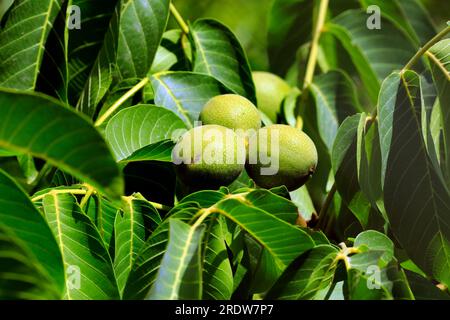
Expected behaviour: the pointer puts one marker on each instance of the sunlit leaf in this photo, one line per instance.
(59, 135)
(85, 257)
(138, 127)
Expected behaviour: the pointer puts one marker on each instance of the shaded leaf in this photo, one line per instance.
(22, 59)
(26, 224)
(21, 275)
(307, 275)
(290, 27)
(421, 220)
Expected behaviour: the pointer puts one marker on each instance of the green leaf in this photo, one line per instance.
(26, 224)
(103, 213)
(21, 275)
(302, 199)
(179, 276)
(421, 220)
(307, 275)
(423, 289)
(44, 128)
(28, 167)
(53, 75)
(219, 54)
(376, 241)
(164, 60)
(84, 44)
(22, 42)
(159, 151)
(82, 249)
(120, 52)
(185, 93)
(368, 155)
(364, 47)
(264, 227)
(408, 15)
(217, 272)
(142, 24)
(132, 227)
(147, 263)
(336, 99)
(290, 27)
(140, 126)
(346, 171)
(439, 56)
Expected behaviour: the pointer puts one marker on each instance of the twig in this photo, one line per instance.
(183, 25)
(121, 101)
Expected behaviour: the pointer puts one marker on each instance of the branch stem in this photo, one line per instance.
(313, 55)
(71, 191)
(425, 48)
(121, 101)
(183, 25)
(312, 62)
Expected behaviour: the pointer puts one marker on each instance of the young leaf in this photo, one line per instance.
(368, 155)
(179, 276)
(421, 219)
(185, 93)
(219, 54)
(22, 42)
(24, 222)
(44, 128)
(84, 253)
(159, 151)
(345, 169)
(140, 126)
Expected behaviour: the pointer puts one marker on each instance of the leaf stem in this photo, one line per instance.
(328, 200)
(160, 206)
(183, 25)
(121, 101)
(425, 48)
(89, 193)
(71, 191)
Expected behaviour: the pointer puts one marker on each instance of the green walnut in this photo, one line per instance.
(208, 157)
(270, 93)
(231, 111)
(281, 155)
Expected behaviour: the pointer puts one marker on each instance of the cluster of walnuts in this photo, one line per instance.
(231, 139)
